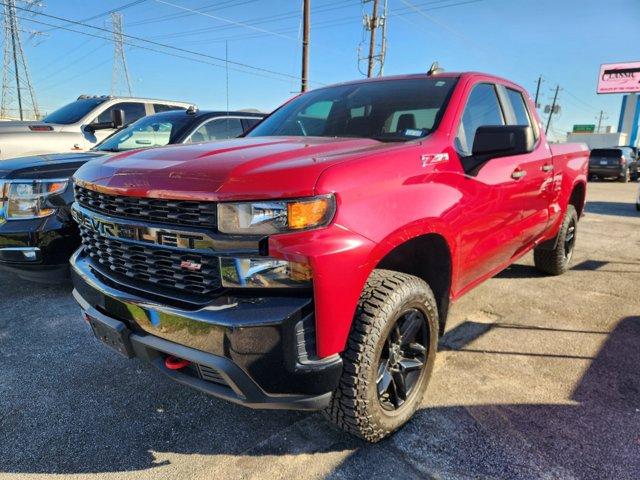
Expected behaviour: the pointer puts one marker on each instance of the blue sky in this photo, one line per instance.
(564, 40)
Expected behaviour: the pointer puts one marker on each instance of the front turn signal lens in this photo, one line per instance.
(308, 213)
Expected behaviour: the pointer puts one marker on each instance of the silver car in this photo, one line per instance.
(78, 126)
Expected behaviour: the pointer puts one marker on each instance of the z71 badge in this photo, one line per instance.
(431, 158)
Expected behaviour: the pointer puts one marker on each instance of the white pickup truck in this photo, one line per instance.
(77, 126)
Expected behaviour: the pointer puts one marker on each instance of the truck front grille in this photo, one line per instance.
(173, 212)
(163, 267)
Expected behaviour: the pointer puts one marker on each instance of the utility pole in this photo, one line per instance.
(538, 91)
(552, 110)
(15, 69)
(371, 24)
(600, 118)
(372, 38)
(120, 71)
(383, 46)
(306, 15)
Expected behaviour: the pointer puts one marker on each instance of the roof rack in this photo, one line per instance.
(84, 96)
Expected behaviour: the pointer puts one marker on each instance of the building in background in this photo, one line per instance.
(629, 117)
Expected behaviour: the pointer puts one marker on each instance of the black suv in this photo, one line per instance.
(37, 233)
(617, 162)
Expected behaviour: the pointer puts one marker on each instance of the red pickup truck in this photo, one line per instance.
(311, 264)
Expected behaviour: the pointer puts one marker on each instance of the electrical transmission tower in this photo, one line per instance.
(18, 95)
(120, 73)
(372, 23)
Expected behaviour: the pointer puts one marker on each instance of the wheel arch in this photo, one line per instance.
(428, 257)
(578, 196)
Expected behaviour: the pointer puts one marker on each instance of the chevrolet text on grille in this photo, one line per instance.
(155, 236)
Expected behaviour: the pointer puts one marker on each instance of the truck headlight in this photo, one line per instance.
(269, 217)
(24, 199)
(264, 273)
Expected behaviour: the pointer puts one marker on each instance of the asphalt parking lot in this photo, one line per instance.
(537, 377)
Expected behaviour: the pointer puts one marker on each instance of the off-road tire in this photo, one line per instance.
(355, 406)
(556, 261)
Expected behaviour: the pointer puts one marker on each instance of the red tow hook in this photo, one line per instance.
(175, 363)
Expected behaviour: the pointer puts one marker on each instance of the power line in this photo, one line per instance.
(158, 44)
(104, 14)
(264, 73)
(225, 20)
(214, 7)
(260, 20)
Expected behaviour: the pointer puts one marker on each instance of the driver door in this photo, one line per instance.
(132, 111)
(489, 227)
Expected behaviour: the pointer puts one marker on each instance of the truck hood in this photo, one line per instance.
(60, 165)
(245, 168)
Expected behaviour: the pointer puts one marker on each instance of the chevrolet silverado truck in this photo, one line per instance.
(78, 126)
(37, 232)
(311, 264)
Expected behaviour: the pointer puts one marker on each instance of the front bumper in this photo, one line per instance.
(38, 249)
(262, 349)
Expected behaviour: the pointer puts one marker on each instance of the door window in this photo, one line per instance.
(250, 122)
(162, 107)
(482, 109)
(132, 111)
(217, 129)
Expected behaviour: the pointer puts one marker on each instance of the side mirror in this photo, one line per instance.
(117, 121)
(502, 141)
(117, 117)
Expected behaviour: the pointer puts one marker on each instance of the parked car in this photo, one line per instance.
(311, 264)
(616, 162)
(78, 126)
(37, 233)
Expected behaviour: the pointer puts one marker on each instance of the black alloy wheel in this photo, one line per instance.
(403, 359)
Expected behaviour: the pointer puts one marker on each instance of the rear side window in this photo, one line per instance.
(161, 107)
(606, 152)
(482, 109)
(520, 110)
(519, 107)
(132, 111)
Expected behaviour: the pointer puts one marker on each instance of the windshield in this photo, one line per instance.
(152, 131)
(74, 111)
(389, 110)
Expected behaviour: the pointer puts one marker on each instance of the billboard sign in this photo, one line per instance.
(584, 128)
(619, 78)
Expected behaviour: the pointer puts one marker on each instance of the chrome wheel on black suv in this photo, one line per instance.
(389, 356)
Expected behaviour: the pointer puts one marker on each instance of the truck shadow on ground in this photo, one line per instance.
(69, 406)
(617, 209)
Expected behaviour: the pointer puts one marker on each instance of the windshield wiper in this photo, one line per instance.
(385, 138)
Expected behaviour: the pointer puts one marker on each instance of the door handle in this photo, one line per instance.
(518, 174)
(547, 167)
